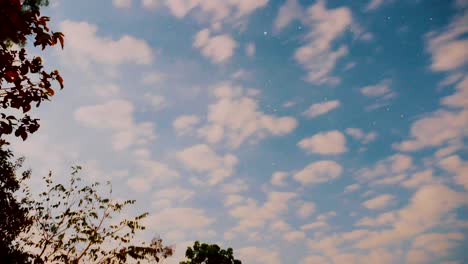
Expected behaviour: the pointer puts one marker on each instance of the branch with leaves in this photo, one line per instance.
(75, 224)
(23, 81)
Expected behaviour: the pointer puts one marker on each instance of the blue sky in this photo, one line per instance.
(293, 131)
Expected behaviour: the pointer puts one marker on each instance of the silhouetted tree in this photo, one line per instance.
(14, 212)
(75, 224)
(209, 254)
(23, 81)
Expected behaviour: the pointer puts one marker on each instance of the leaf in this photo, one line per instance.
(50, 91)
(60, 80)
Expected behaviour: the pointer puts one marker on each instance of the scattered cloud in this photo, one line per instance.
(218, 49)
(325, 143)
(150, 4)
(435, 129)
(374, 4)
(278, 178)
(257, 255)
(181, 218)
(427, 209)
(318, 56)
(390, 166)
(122, 3)
(306, 209)
(352, 188)
(321, 108)
(379, 202)
(236, 117)
(448, 46)
(360, 135)
(208, 10)
(167, 197)
(455, 165)
(250, 49)
(185, 124)
(116, 116)
(319, 172)
(84, 46)
(276, 204)
(381, 91)
(201, 158)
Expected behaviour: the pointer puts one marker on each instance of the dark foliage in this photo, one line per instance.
(23, 81)
(209, 254)
(14, 213)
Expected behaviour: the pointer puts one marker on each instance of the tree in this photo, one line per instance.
(209, 254)
(14, 213)
(23, 81)
(75, 224)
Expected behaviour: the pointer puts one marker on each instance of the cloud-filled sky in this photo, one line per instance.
(318, 131)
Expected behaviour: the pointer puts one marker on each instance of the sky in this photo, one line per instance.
(317, 131)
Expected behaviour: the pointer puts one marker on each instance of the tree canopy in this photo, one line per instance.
(75, 223)
(202, 253)
(14, 213)
(23, 81)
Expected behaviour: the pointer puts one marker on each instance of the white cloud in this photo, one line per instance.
(107, 90)
(318, 56)
(381, 91)
(185, 124)
(427, 209)
(277, 179)
(233, 199)
(438, 244)
(325, 143)
(236, 117)
(168, 196)
(315, 260)
(379, 202)
(201, 158)
(393, 165)
(85, 46)
(178, 218)
(122, 3)
(287, 13)
(319, 172)
(435, 129)
(419, 179)
(448, 47)
(241, 74)
(274, 206)
(257, 255)
(218, 49)
(314, 225)
(374, 4)
(352, 188)
(250, 49)
(460, 98)
(149, 172)
(321, 108)
(454, 164)
(294, 236)
(117, 116)
(442, 126)
(306, 209)
(156, 102)
(212, 10)
(150, 4)
(235, 186)
(150, 78)
(360, 135)
(377, 90)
